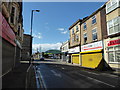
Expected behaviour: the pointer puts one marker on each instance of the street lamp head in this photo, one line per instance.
(37, 10)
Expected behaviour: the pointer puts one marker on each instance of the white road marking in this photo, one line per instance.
(56, 74)
(42, 80)
(110, 75)
(97, 80)
(91, 72)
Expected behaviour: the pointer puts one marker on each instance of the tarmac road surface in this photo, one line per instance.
(53, 75)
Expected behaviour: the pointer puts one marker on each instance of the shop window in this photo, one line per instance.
(113, 26)
(93, 19)
(85, 38)
(114, 54)
(85, 26)
(77, 29)
(94, 34)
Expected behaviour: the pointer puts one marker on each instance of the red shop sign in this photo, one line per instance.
(7, 32)
(114, 42)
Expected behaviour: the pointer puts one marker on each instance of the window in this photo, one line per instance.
(113, 26)
(77, 29)
(111, 5)
(77, 38)
(114, 54)
(85, 38)
(72, 40)
(85, 26)
(72, 31)
(93, 19)
(94, 34)
(12, 15)
(19, 28)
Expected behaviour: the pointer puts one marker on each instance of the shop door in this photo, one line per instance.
(75, 58)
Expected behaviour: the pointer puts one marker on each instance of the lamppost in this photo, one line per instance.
(31, 30)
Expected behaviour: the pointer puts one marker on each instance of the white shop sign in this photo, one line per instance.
(92, 46)
(74, 50)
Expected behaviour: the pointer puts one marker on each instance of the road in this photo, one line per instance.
(52, 74)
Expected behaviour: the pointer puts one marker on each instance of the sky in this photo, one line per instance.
(50, 25)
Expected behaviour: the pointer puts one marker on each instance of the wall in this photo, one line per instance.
(8, 56)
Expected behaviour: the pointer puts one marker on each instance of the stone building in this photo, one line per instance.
(12, 34)
(112, 39)
(26, 47)
(93, 30)
(74, 48)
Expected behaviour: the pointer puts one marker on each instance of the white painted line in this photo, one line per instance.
(42, 80)
(97, 80)
(91, 72)
(56, 74)
(110, 75)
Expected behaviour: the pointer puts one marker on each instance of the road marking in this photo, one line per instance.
(110, 75)
(97, 80)
(91, 72)
(41, 80)
(56, 74)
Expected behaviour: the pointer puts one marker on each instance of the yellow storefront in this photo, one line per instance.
(76, 58)
(91, 54)
(91, 59)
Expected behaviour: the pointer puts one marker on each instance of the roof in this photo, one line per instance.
(79, 20)
(53, 51)
(85, 19)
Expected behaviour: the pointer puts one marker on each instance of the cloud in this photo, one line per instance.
(46, 46)
(61, 29)
(64, 32)
(38, 35)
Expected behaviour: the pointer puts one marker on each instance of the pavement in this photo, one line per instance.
(17, 77)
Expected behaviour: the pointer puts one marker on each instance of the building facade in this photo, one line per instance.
(93, 30)
(64, 49)
(112, 40)
(26, 47)
(75, 38)
(12, 34)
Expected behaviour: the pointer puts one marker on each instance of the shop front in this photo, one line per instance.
(8, 45)
(91, 54)
(112, 52)
(75, 55)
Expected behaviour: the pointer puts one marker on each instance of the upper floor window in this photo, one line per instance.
(93, 19)
(77, 29)
(84, 26)
(73, 40)
(85, 38)
(12, 19)
(94, 34)
(77, 38)
(19, 30)
(112, 5)
(72, 31)
(113, 26)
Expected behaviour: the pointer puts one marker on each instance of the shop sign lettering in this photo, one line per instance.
(114, 42)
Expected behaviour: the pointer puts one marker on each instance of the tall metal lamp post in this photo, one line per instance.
(31, 31)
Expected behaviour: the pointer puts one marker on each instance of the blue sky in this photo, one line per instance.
(50, 25)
